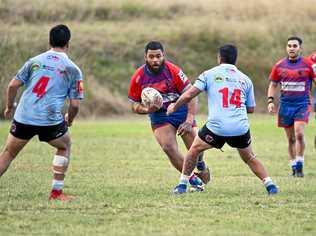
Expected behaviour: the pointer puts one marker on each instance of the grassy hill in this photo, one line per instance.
(109, 36)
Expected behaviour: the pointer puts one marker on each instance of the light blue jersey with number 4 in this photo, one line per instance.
(229, 93)
(49, 79)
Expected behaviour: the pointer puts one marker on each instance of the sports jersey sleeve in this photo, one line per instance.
(135, 90)
(201, 83)
(313, 65)
(76, 86)
(181, 81)
(25, 72)
(274, 74)
(250, 96)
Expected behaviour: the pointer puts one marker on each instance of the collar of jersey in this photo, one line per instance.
(60, 53)
(228, 65)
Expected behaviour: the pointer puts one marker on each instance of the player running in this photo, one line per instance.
(294, 75)
(171, 82)
(49, 79)
(230, 96)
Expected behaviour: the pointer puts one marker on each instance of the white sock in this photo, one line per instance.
(267, 181)
(300, 159)
(293, 162)
(57, 184)
(184, 179)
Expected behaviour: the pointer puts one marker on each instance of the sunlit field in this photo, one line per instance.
(123, 185)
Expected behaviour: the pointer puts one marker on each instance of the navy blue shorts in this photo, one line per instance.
(288, 114)
(160, 118)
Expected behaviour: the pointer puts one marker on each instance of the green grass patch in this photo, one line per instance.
(123, 181)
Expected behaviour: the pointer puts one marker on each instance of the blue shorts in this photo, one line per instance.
(160, 118)
(288, 114)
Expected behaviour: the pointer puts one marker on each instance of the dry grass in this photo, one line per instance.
(109, 36)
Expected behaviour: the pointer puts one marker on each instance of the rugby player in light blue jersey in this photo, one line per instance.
(230, 96)
(48, 79)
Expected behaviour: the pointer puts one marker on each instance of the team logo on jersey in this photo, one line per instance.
(35, 66)
(50, 68)
(53, 57)
(182, 76)
(218, 79)
(80, 86)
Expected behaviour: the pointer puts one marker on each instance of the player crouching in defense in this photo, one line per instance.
(49, 79)
(230, 96)
(171, 82)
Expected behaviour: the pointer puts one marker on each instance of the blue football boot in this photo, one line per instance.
(299, 169)
(180, 189)
(196, 184)
(272, 189)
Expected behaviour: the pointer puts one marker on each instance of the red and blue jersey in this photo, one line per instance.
(295, 79)
(171, 82)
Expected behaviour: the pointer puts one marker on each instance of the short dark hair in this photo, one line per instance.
(228, 53)
(59, 36)
(300, 41)
(153, 45)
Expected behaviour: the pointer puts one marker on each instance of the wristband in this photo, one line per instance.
(270, 100)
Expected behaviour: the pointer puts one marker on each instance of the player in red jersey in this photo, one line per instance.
(171, 82)
(294, 74)
(312, 60)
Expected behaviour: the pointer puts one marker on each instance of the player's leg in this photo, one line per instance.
(290, 135)
(60, 166)
(58, 137)
(166, 137)
(300, 146)
(203, 170)
(11, 149)
(189, 164)
(286, 120)
(18, 137)
(257, 168)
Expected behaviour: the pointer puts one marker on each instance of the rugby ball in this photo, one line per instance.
(151, 96)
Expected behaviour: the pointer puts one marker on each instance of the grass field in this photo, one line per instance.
(123, 182)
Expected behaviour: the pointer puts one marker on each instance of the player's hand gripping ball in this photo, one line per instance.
(151, 97)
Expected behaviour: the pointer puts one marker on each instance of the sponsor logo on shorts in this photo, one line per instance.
(209, 138)
(13, 128)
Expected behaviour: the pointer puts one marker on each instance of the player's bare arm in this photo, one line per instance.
(12, 89)
(186, 127)
(72, 111)
(186, 97)
(141, 109)
(271, 94)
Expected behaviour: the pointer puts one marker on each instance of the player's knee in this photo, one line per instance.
(299, 137)
(168, 148)
(291, 140)
(60, 164)
(10, 153)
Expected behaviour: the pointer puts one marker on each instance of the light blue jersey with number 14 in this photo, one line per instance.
(49, 79)
(229, 93)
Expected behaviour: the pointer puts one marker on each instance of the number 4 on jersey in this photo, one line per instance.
(234, 99)
(40, 87)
